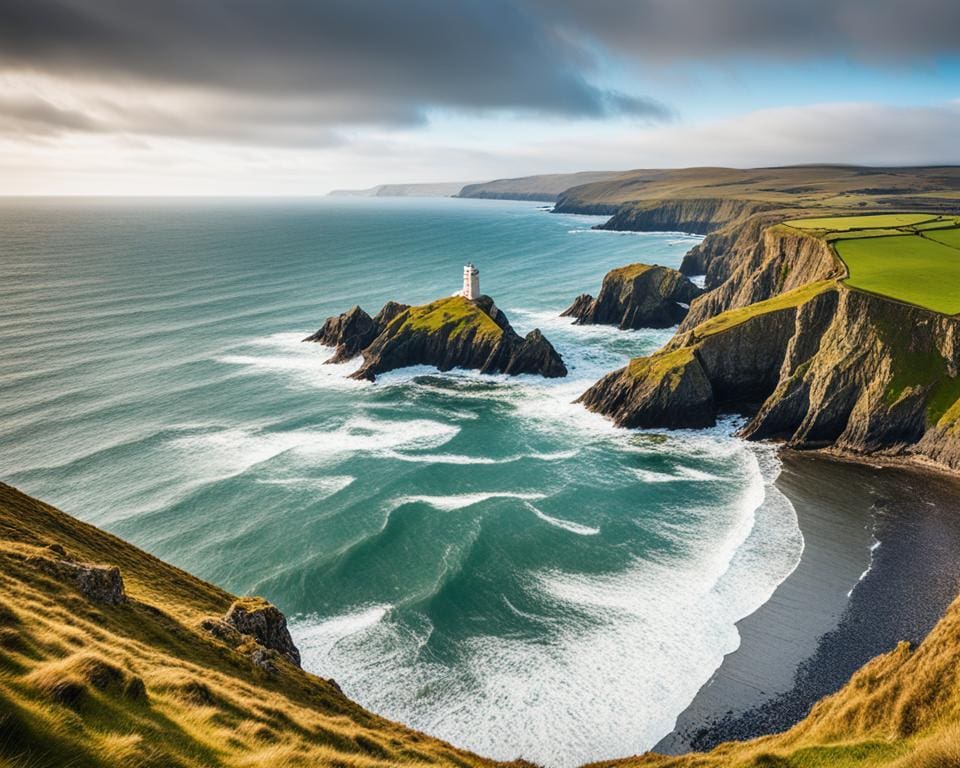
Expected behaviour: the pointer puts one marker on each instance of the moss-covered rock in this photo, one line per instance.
(455, 332)
(664, 390)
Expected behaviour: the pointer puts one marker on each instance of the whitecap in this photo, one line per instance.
(567, 525)
(230, 451)
(597, 689)
(463, 500)
(303, 363)
(324, 486)
(650, 476)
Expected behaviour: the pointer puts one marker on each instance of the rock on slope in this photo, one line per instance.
(453, 332)
(637, 296)
(822, 366)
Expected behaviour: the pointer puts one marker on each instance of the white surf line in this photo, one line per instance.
(873, 548)
(567, 525)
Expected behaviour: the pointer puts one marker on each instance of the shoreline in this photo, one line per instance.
(881, 563)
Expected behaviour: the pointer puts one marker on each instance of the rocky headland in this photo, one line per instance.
(453, 332)
(637, 296)
(821, 366)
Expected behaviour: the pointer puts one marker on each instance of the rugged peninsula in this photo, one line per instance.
(453, 332)
(637, 296)
(858, 358)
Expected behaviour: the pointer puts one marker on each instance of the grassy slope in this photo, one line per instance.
(630, 271)
(823, 186)
(455, 313)
(70, 672)
(734, 317)
(546, 184)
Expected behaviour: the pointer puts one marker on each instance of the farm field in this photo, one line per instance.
(870, 221)
(949, 237)
(909, 268)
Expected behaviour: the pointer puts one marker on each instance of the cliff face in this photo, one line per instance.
(448, 333)
(822, 366)
(753, 262)
(696, 215)
(637, 296)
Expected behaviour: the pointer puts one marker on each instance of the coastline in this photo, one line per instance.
(848, 600)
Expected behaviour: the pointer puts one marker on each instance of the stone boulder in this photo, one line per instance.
(264, 622)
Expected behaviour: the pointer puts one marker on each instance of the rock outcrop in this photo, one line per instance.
(453, 332)
(637, 296)
(100, 583)
(664, 391)
(822, 366)
(354, 330)
(265, 623)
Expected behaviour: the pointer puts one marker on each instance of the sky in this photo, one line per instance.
(298, 97)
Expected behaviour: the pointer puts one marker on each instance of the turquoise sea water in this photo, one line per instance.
(475, 556)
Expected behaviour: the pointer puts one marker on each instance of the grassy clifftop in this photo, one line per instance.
(142, 683)
(454, 315)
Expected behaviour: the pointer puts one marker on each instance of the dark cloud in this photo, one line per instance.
(873, 31)
(294, 72)
(361, 61)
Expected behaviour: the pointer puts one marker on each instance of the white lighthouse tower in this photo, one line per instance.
(471, 282)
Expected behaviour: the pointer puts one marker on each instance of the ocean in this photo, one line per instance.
(475, 556)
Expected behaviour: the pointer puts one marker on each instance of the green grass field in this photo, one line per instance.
(914, 269)
(944, 222)
(950, 237)
(871, 221)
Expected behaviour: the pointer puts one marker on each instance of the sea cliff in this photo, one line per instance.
(821, 366)
(753, 261)
(637, 296)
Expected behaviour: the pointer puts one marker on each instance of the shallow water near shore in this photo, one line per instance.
(474, 556)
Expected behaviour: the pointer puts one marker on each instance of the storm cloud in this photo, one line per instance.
(888, 32)
(297, 70)
(368, 61)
